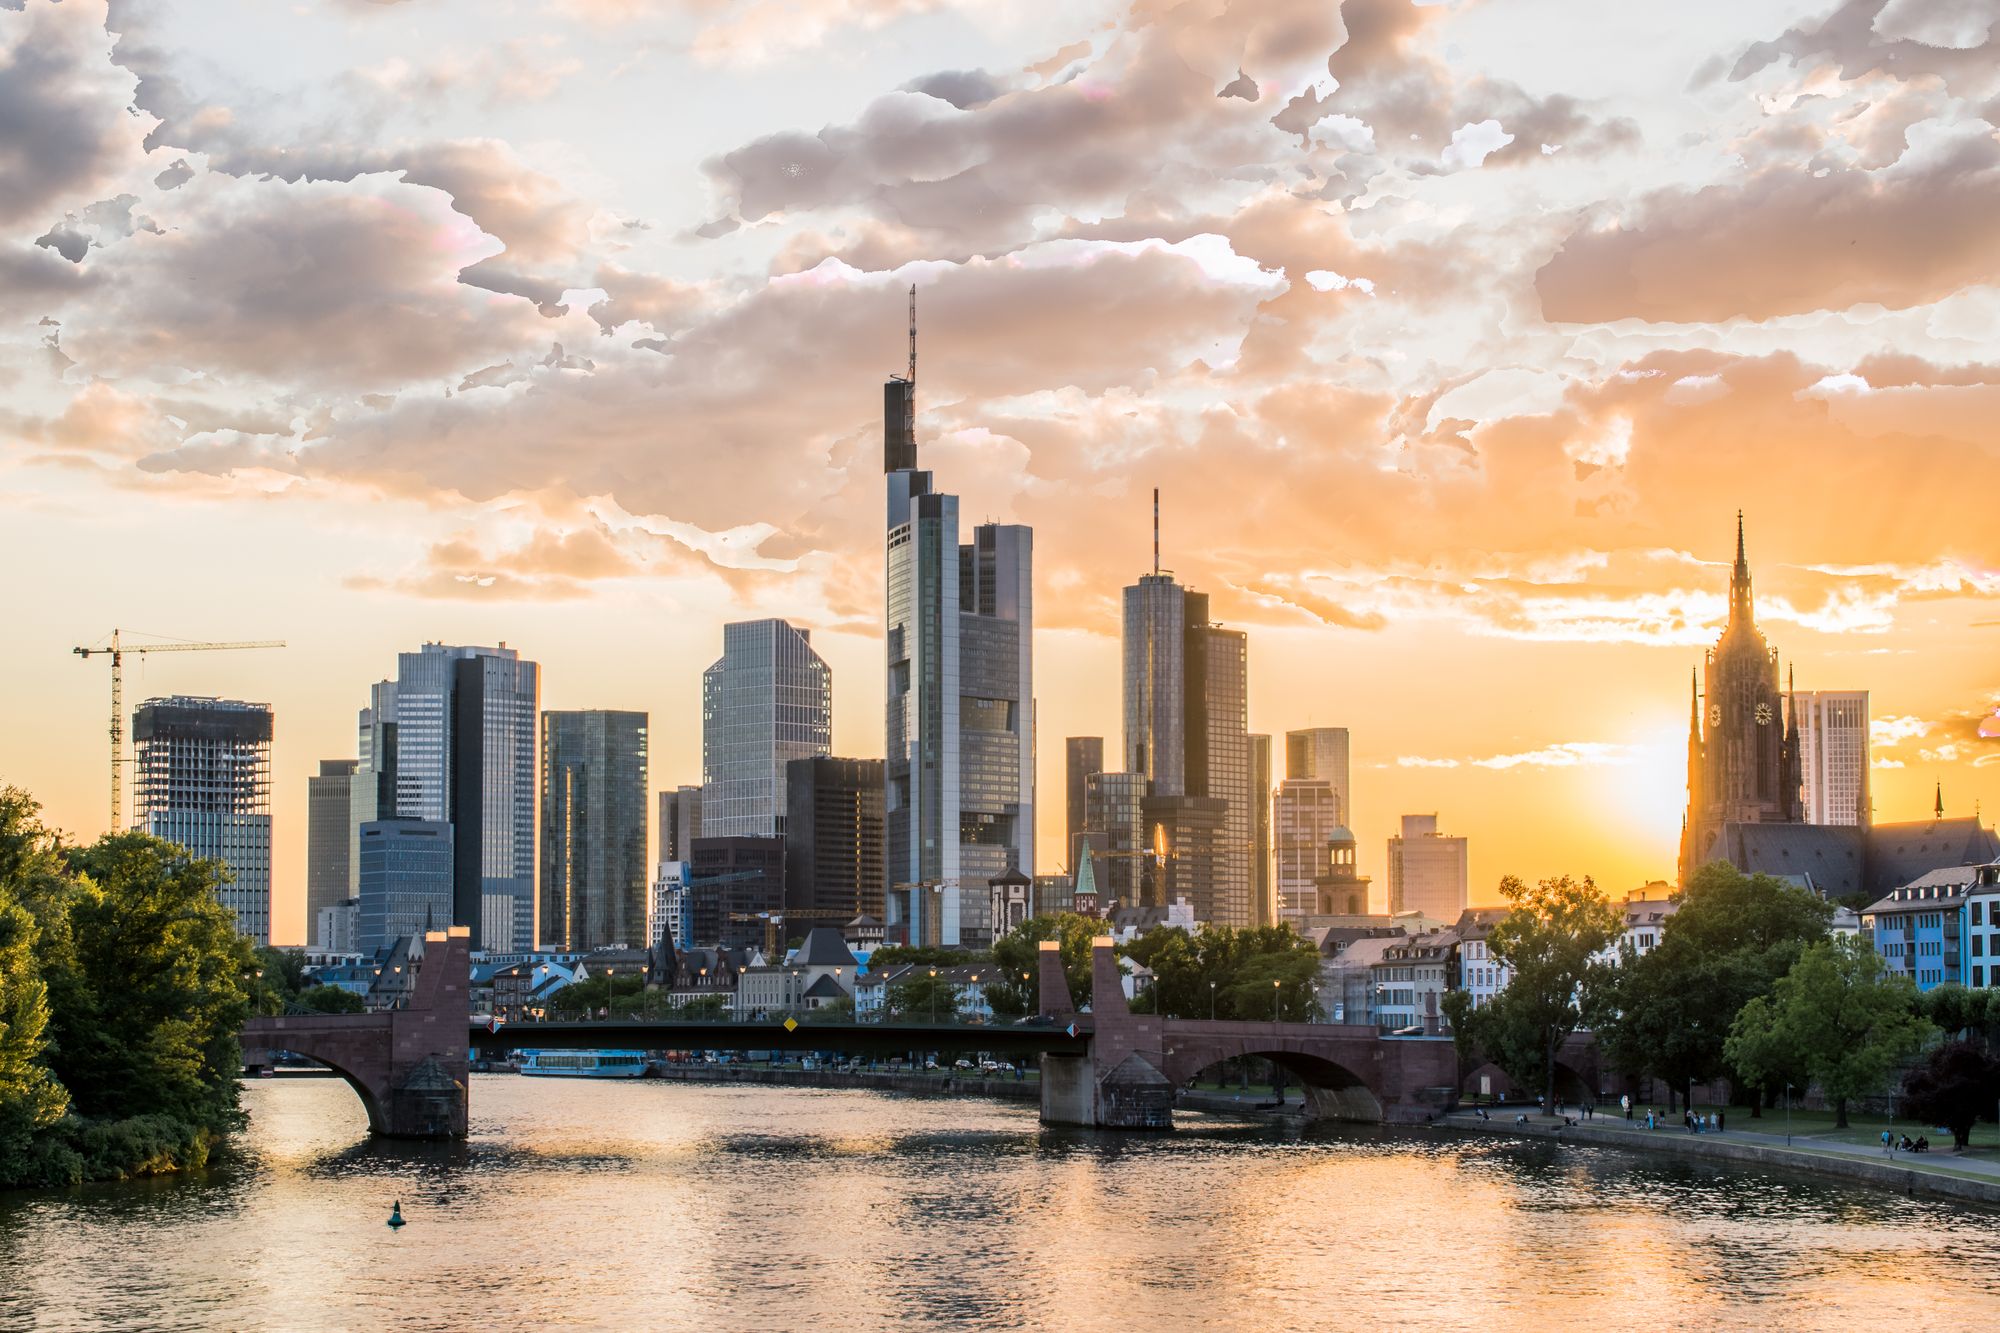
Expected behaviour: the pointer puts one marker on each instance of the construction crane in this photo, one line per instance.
(116, 652)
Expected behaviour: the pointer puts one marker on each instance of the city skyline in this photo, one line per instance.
(1526, 551)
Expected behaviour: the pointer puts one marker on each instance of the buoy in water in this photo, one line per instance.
(396, 1215)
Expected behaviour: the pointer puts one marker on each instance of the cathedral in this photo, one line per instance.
(1743, 734)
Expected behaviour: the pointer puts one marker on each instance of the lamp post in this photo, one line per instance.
(1211, 1001)
(933, 997)
(1788, 1115)
(1275, 994)
(610, 988)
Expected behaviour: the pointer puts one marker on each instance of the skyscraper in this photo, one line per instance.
(1116, 830)
(1082, 756)
(959, 726)
(833, 841)
(406, 869)
(1427, 870)
(680, 823)
(1833, 755)
(766, 701)
(1322, 753)
(593, 859)
(330, 828)
(1263, 885)
(1743, 750)
(452, 740)
(1308, 814)
(203, 782)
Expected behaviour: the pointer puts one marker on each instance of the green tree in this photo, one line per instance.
(606, 991)
(1957, 1084)
(1547, 941)
(1839, 1017)
(1668, 1012)
(927, 955)
(701, 1008)
(328, 1000)
(833, 1011)
(1959, 1012)
(31, 1100)
(925, 994)
(1016, 960)
(1229, 972)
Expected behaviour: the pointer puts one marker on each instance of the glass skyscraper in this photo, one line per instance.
(452, 740)
(766, 701)
(203, 782)
(406, 881)
(330, 829)
(593, 858)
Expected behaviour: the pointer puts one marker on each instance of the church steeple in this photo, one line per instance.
(1940, 801)
(1739, 580)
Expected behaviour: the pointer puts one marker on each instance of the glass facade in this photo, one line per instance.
(593, 861)
(921, 803)
(1263, 888)
(1308, 815)
(406, 881)
(1155, 645)
(329, 839)
(1114, 811)
(1322, 753)
(1082, 756)
(766, 701)
(202, 781)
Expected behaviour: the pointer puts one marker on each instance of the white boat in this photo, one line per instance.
(583, 1064)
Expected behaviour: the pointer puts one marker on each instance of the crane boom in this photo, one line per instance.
(116, 652)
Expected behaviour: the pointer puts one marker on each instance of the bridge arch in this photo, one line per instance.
(1334, 1091)
(358, 1062)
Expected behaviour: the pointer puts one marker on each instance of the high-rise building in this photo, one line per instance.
(833, 841)
(330, 828)
(1308, 813)
(593, 861)
(452, 740)
(1189, 837)
(671, 910)
(679, 823)
(766, 701)
(203, 781)
(1082, 757)
(959, 726)
(736, 886)
(1427, 870)
(1154, 647)
(407, 888)
(1263, 882)
(1115, 821)
(1743, 750)
(1322, 752)
(1833, 755)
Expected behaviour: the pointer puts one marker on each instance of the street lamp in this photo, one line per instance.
(1211, 1001)
(933, 997)
(1788, 1115)
(1275, 985)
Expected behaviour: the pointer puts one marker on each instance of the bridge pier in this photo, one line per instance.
(409, 1065)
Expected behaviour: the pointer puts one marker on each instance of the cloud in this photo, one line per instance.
(1563, 754)
(65, 132)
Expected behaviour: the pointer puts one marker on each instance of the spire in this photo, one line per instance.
(1739, 579)
(1156, 529)
(1939, 809)
(899, 408)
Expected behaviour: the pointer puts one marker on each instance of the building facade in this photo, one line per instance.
(1833, 755)
(766, 701)
(737, 887)
(1322, 753)
(407, 881)
(1428, 870)
(1263, 868)
(679, 823)
(670, 910)
(1307, 813)
(1117, 840)
(593, 856)
(996, 745)
(1083, 756)
(833, 841)
(202, 781)
(330, 830)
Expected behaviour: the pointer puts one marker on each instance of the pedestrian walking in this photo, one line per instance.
(1888, 1144)
(1625, 1103)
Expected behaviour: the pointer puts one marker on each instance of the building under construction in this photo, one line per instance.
(203, 781)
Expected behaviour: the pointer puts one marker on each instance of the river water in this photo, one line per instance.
(672, 1206)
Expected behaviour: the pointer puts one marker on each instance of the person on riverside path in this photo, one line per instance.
(1888, 1143)
(1626, 1103)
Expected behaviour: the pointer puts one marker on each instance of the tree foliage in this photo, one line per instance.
(1838, 1018)
(925, 994)
(1016, 988)
(1956, 1085)
(144, 986)
(1256, 973)
(1547, 940)
(1668, 1012)
(328, 1000)
(1963, 1013)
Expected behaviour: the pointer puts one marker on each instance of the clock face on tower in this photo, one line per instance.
(1763, 715)
(1715, 715)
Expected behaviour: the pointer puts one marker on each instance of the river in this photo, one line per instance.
(668, 1206)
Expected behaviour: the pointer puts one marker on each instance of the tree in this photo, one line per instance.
(329, 1000)
(1668, 1012)
(1839, 1017)
(31, 1099)
(1016, 985)
(1547, 941)
(1959, 1012)
(1229, 971)
(833, 1011)
(1956, 1084)
(925, 993)
(606, 990)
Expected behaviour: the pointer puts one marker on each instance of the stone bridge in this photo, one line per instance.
(408, 1064)
(1134, 1064)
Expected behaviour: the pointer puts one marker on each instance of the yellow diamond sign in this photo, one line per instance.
(791, 1025)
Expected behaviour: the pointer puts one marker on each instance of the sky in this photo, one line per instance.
(1454, 334)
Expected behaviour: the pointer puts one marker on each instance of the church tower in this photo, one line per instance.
(1743, 746)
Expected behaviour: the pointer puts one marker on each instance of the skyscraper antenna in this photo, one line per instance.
(1156, 531)
(910, 403)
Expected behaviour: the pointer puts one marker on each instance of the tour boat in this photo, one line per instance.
(583, 1064)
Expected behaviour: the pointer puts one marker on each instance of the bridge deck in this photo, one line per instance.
(851, 1038)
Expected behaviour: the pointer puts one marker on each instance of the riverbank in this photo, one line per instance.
(878, 1080)
(1933, 1175)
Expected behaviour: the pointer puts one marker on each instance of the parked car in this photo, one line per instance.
(961, 1064)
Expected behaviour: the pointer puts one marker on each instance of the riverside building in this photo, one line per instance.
(203, 782)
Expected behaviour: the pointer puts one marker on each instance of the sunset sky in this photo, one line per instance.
(1454, 334)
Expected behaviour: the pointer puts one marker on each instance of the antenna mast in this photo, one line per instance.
(910, 401)
(1156, 531)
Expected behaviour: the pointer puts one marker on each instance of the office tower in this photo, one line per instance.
(671, 911)
(996, 743)
(593, 863)
(1743, 750)
(1427, 870)
(1190, 840)
(1322, 752)
(735, 887)
(407, 874)
(1308, 816)
(1263, 883)
(1115, 820)
(330, 869)
(680, 823)
(334, 928)
(1833, 755)
(766, 701)
(1082, 757)
(959, 715)
(452, 740)
(1186, 709)
(203, 782)
(833, 841)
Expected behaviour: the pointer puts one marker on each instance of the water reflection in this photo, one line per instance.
(647, 1205)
